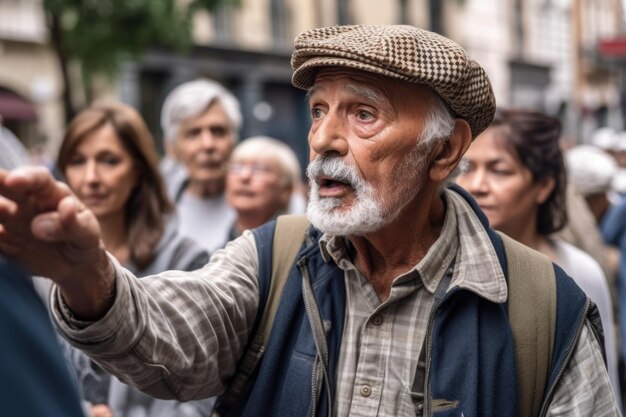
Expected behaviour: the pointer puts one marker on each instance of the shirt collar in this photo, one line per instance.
(478, 268)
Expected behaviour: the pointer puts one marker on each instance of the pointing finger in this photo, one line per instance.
(37, 182)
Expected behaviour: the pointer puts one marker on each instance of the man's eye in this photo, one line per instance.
(364, 115)
(316, 113)
(192, 133)
(219, 131)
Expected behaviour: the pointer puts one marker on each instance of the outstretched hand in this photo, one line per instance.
(44, 227)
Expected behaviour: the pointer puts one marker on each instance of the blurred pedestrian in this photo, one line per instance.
(201, 122)
(109, 160)
(592, 171)
(12, 151)
(34, 378)
(263, 174)
(516, 173)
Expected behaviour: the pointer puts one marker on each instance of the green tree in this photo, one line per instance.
(101, 34)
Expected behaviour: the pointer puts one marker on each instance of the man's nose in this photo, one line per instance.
(330, 135)
(207, 139)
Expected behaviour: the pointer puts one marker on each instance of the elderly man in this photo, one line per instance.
(201, 122)
(396, 270)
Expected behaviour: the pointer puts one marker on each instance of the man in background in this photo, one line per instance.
(201, 122)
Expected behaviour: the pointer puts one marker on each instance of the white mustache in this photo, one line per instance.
(335, 169)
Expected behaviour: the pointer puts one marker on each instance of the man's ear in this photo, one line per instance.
(449, 152)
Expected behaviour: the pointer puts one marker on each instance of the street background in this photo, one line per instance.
(565, 57)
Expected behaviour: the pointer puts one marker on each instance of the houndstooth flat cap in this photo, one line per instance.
(403, 52)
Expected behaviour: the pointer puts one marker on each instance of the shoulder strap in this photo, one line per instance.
(532, 316)
(288, 238)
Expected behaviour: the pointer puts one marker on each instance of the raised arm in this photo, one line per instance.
(44, 227)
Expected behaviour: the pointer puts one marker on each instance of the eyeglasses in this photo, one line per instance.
(255, 168)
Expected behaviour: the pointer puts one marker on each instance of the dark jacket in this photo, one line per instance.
(470, 358)
(34, 378)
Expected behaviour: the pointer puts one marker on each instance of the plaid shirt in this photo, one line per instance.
(182, 334)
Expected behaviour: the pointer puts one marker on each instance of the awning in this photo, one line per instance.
(14, 107)
(614, 47)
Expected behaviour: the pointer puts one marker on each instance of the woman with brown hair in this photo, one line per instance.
(109, 160)
(516, 173)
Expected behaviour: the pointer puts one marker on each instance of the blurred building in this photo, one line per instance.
(29, 77)
(248, 49)
(546, 54)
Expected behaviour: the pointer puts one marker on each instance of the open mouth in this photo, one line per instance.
(329, 182)
(332, 187)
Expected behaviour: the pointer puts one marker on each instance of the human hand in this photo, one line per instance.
(44, 227)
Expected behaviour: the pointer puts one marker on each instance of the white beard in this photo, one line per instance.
(367, 214)
(327, 215)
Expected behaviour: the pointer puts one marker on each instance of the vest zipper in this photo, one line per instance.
(319, 337)
(441, 293)
(315, 386)
(570, 352)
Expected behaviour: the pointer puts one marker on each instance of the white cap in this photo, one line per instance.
(620, 141)
(590, 170)
(604, 138)
(619, 182)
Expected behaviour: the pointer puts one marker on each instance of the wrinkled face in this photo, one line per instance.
(256, 186)
(366, 160)
(204, 144)
(102, 173)
(502, 186)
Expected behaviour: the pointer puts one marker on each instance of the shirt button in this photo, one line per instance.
(366, 390)
(377, 320)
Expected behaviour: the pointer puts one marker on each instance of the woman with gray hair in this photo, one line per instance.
(264, 176)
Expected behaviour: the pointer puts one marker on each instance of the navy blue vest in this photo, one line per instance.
(473, 358)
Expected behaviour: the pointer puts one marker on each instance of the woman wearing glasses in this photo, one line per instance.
(263, 177)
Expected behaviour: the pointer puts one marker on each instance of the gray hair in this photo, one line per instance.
(191, 99)
(439, 120)
(274, 149)
(439, 127)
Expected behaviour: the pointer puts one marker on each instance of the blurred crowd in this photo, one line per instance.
(159, 214)
(565, 200)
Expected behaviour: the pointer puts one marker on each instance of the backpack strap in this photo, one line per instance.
(532, 316)
(288, 238)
